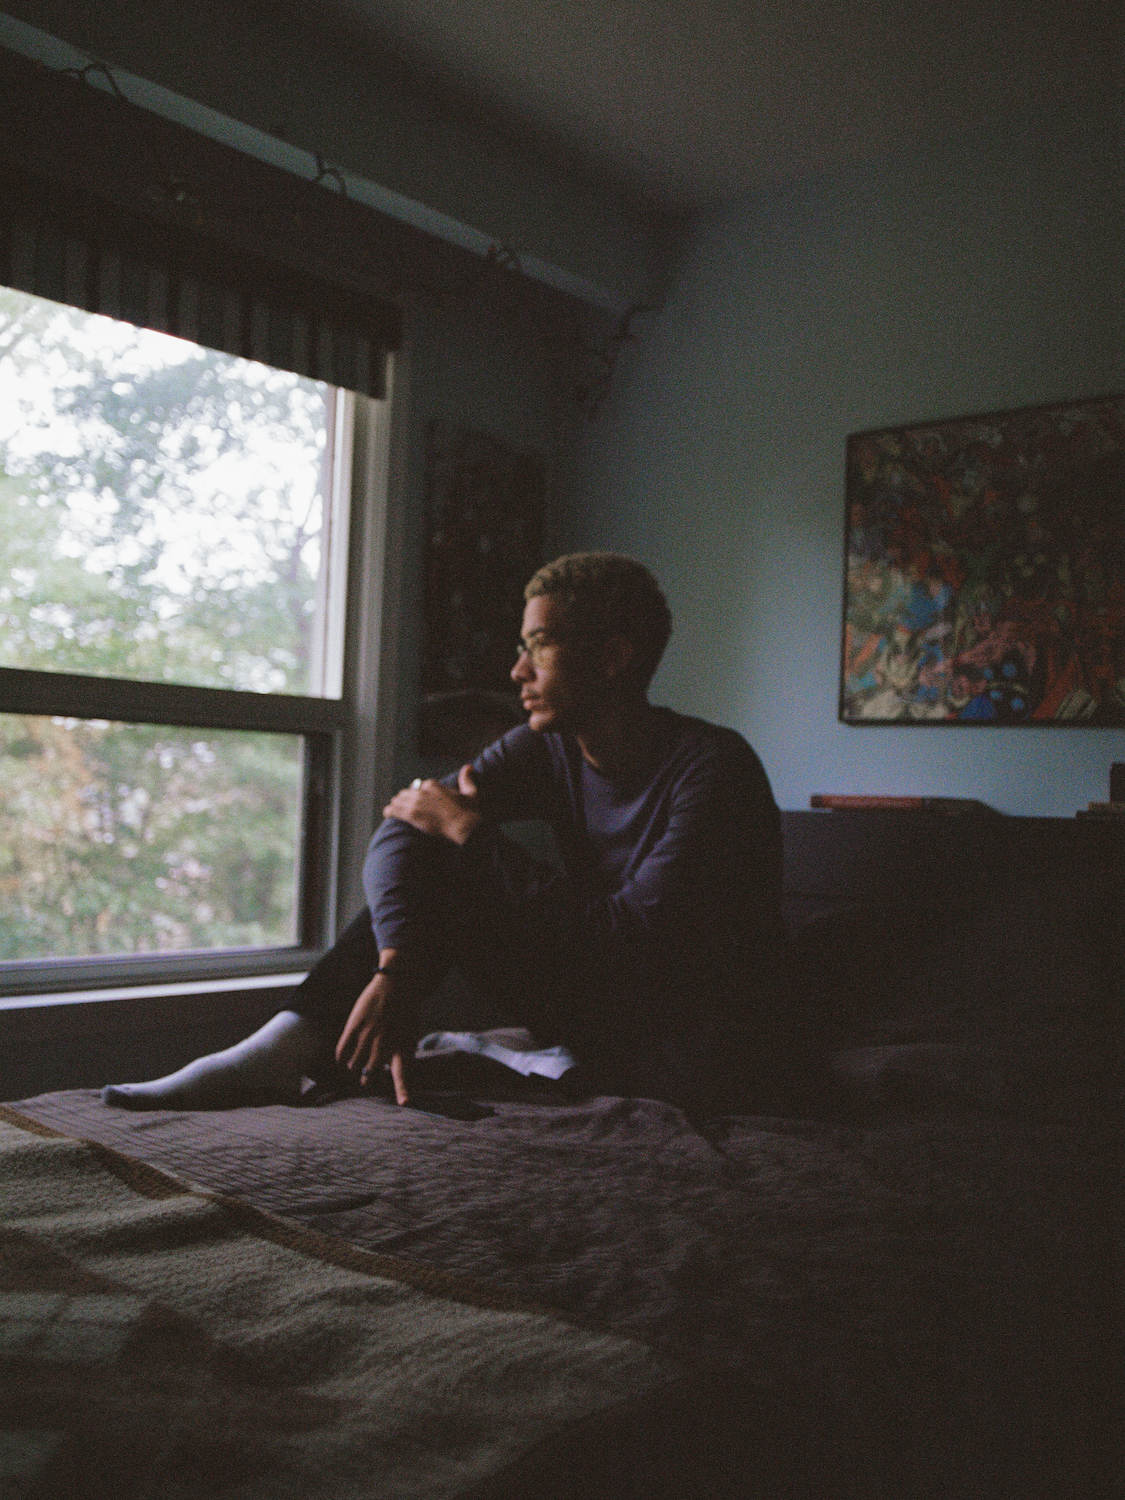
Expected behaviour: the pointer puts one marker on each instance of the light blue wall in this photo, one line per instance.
(978, 275)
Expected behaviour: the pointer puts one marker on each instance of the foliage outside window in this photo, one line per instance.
(162, 514)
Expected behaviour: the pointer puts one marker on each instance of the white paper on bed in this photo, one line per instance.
(510, 1045)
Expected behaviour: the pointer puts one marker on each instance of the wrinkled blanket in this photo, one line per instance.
(157, 1342)
(912, 1306)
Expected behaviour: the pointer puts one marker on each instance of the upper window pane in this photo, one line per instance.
(162, 506)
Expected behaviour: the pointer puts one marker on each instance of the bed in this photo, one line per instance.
(905, 1287)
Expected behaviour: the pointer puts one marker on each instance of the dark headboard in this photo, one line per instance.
(975, 917)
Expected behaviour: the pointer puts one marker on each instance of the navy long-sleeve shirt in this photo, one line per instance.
(670, 884)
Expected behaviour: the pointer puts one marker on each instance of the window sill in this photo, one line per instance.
(154, 973)
(153, 991)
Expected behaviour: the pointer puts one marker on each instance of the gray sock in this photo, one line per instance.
(267, 1066)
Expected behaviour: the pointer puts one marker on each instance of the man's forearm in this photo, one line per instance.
(402, 875)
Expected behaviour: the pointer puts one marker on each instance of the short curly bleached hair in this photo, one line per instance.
(605, 594)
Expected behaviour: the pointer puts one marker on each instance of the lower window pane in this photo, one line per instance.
(130, 838)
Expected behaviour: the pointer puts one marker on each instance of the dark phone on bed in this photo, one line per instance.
(450, 1106)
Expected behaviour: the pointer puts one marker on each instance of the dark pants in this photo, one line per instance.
(476, 987)
(489, 955)
(485, 954)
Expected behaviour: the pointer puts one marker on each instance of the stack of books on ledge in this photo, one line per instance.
(848, 802)
(1103, 810)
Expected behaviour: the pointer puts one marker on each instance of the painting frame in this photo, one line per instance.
(984, 570)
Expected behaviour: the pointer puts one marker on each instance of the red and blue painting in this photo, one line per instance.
(985, 569)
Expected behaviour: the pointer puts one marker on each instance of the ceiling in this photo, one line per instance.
(682, 102)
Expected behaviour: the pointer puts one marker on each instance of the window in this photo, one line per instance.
(174, 538)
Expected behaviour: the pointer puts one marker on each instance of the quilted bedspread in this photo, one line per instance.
(907, 1306)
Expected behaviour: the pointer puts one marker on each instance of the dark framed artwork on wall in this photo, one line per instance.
(484, 539)
(985, 569)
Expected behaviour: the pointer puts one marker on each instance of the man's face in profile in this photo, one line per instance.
(556, 669)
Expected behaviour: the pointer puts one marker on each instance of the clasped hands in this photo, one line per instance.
(381, 1030)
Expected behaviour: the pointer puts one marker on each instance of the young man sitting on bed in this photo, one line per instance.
(654, 956)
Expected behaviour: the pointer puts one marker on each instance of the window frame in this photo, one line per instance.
(345, 745)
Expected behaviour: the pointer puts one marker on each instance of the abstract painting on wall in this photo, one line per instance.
(484, 539)
(985, 570)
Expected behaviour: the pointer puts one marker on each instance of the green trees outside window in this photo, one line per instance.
(161, 516)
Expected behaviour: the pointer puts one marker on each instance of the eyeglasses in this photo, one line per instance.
(536, 649)
(539, 645)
